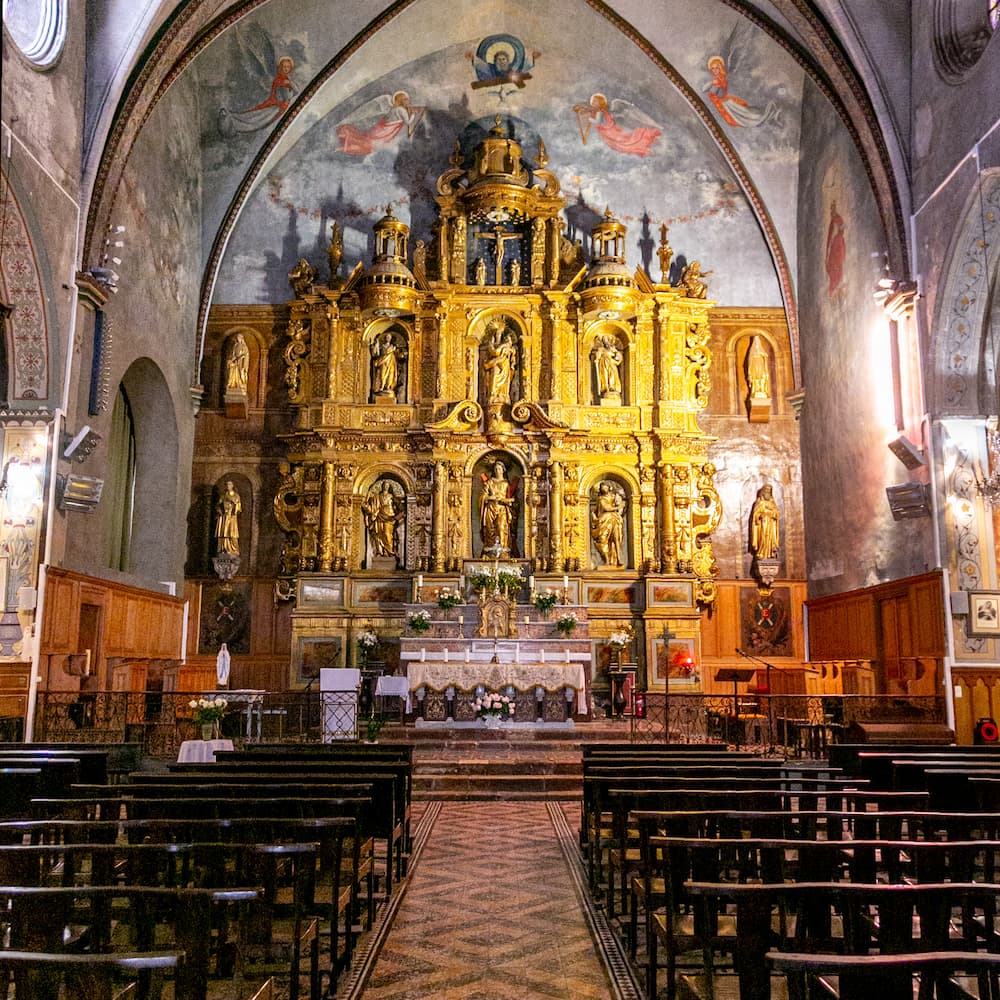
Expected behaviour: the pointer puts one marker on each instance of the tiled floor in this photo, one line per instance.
(490, 914)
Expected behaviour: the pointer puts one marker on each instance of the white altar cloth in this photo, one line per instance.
(201, 751)
(523, 677)
(387, 687)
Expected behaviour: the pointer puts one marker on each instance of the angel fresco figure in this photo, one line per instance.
(501, 61)
(621, 125)
(733, 110)
(274, 73)
(379, 123)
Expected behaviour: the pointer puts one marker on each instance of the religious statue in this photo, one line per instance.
(501, 358)
(237, 365)
(515, 272)
(227, 525)
(607, 523)
(335, 252)
(386, 355)
(381, 518)
(758, 376)
(480, 271)
(302, 277)
(496, 509)
(420, 259)
(693, 280)
(665, 252)
(764, 524)
(607, 358)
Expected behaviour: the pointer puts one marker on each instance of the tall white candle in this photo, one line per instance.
(531, 583)
(461, 582)
(517, 654)
(445, 654)
(566, 582)
(423, 654)
(466, 654)
(567, 656)
(543, 654)
(420, 580)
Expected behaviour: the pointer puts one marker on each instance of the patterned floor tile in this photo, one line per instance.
(490, 914)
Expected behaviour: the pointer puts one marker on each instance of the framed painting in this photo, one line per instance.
(611, 593)
(378, 592)
(676, 665)
(669, 593)
(984, 613)
(314, 654)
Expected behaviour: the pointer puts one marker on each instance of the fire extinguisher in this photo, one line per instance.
(640, 704)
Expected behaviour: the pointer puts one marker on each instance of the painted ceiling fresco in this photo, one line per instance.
(640, 127)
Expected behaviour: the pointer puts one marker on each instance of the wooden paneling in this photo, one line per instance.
(14, 678)
(61, 613)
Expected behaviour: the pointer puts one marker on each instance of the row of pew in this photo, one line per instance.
(255, 874)
(874, 872)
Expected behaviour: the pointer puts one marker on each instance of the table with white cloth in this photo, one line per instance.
(394, 687)
(494, 676)
(201, 751)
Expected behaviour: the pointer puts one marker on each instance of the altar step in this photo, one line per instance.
(539, 764)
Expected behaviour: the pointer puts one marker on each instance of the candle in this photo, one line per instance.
(423, 654)
(517, 654)
(420, 581)
(466, 654)
(531, 583)
(543, 654)
(461, 582)
(567, 656)
(445, 654)
(566, 582)
(461, 619)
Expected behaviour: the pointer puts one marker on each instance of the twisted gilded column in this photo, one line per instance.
(326, 522)
(668, 542)
(555, 514)
(439, 515)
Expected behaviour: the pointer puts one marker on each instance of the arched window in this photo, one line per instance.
(37, 28)
(119, 484)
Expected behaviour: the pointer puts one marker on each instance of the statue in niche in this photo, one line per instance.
(765, 518)
(238, 365)
(758, 376)
(693, 280)
(515, 272)
(501, 359)
(607, 522)
(496, 510)
(386, 357)
(480, 271)
(607, 358)
(382, 517)
(227, 524)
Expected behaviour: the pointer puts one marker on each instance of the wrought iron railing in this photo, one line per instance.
(160, 722)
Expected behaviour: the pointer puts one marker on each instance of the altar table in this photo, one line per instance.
(201, 751)
(494, 676)
(387, 687)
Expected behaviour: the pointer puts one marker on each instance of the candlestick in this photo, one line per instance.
(461, 619)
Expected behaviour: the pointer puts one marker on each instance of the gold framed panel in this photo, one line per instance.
(669, 593)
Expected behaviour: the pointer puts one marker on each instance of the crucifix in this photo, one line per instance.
(500, 239)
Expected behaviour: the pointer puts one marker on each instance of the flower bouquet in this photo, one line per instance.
(493, 708)
(566, 623)
(507, 581)
(208, 713)
(546, 599)
(448, 598)
(619, 640)
(419, 621)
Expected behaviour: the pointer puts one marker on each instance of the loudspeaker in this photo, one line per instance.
(985, 732)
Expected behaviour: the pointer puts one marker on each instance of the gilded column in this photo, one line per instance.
(668, 546)
(332, 368)
(440, 514)
(327, 542)
(556, 514)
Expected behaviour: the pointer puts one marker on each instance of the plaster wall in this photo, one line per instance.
(847, 418)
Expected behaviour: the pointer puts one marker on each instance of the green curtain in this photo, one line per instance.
(119, 484)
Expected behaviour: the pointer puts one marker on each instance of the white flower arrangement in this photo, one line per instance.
(619, 640)
(566, 622)
(493, 704)
(205, 710)
(546, 599)
(448, 598)
(367, 641)
(419, 621)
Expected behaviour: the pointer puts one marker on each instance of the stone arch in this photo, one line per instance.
(156, 510)
(962, 306)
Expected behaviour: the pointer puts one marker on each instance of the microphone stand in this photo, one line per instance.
(770, 707)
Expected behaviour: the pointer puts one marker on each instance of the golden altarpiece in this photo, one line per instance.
(488, 396)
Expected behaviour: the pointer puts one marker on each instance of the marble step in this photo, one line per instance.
(496, 786)
(497, 766)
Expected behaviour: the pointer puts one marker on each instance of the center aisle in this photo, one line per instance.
(490, 912)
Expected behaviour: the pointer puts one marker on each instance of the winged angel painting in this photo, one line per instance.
(733, 62)
(620, 124)
(271, 74)
(379, 123)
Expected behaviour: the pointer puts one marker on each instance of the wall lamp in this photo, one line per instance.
(907, 452)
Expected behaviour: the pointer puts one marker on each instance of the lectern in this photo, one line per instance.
(338, 688)
(736, 675)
